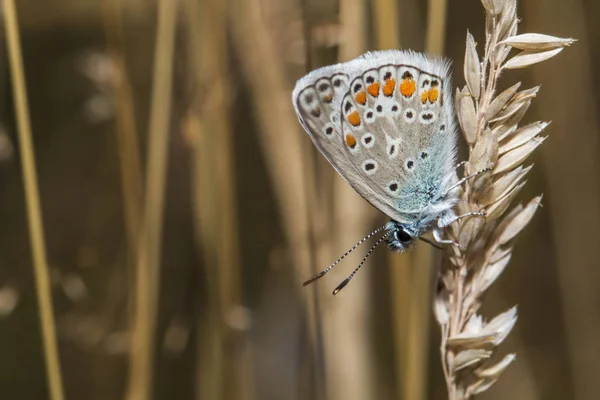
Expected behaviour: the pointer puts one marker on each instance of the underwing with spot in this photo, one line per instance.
(385, 123)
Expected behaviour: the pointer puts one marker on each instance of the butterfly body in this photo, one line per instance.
(385, 122)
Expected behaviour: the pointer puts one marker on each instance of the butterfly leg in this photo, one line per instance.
(460, 164)
(466, 178)
(437, 234)
(444, 222)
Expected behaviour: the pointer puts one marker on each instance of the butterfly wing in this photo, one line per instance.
(387, 129)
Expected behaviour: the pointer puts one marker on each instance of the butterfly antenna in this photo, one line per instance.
(326, 270)
(347, 280)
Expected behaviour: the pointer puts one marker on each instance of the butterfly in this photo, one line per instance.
(385, 122)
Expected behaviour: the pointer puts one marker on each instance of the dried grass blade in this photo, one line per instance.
(472, 67)
(517, 156)
(498, 208)
(500, 101)
(537, 41)
(519, 221)
(527, 58)
(521, 136)
(467, 358)
(503, 185)
(495, 370)
(467, 116)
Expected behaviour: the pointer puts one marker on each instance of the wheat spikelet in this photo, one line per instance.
(498, 145)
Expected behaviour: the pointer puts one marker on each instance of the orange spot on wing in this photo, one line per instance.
(424, 96)
(354, 118)
(328, 98)
(373, 89)
(388, 88)
(350, 140)
(433, 95)
(407, 87)
(361, 97)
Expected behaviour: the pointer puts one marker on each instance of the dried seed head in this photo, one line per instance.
(480, 386)
(493, 7)
(498, 208)
(508, 17)
(536, 41)
(483, 156)
(504, 128)
(501, 325)
(467, 116)
(521, 136)
(517, 156)
(468, 358)
(500, 101)
(519, 221)
(495, 370)
(491, 272)
(490, 126)
(472, 67)
(502, 185)
(530, 57)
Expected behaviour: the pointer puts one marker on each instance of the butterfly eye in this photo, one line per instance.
(402, 236)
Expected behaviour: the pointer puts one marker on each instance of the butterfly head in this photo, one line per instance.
(401, 237)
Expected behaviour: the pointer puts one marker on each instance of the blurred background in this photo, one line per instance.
(183, 206)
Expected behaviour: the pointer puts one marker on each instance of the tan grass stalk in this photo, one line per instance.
(227, 371)
(143, 336)
(126, 129)
(32, 197)
(347, 328)
(490, 125)
(436, 26)
(283, 147)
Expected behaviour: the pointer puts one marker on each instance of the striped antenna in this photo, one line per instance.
(326, 270)
(347, 280)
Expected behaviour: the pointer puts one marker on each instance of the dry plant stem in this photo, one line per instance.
(149, 250)
(281, 143)
(126, 130)
(34, 214)
(436, 26)
(227, 372)
(497, 147)
(347, 327)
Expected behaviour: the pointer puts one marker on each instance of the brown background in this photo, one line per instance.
(251, 209)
